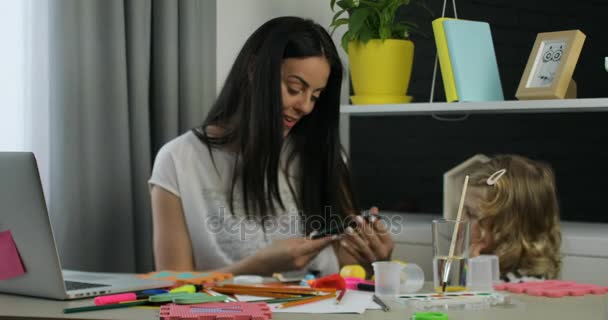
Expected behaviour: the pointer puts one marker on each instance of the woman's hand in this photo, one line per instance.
(281, 255)
(367, 243)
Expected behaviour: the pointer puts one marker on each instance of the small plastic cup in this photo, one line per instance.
(393, 278)
(387, 278)
(483, 272)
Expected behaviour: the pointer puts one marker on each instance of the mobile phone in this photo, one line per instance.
(336, 230)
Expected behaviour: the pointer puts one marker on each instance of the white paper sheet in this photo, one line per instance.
(352, 302)
(374, 306)
(247, 298)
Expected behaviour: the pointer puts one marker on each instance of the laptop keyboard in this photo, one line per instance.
(74, 285)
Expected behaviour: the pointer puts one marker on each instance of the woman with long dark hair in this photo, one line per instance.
(242, 192)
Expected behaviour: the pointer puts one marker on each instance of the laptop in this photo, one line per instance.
(23, 211)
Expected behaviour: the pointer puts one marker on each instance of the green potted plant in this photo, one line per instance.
(379, 48)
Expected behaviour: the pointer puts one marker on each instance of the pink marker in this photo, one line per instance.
(118, 298)
(353, 283)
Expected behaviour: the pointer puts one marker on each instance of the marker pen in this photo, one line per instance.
(366, 287)
(120, 297)
(189, 288)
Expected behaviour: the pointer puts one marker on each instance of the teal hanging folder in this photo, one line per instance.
(473, 60)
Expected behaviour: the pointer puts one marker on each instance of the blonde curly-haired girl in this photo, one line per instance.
(515, 215)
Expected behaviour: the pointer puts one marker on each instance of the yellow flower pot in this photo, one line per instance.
(381, 70)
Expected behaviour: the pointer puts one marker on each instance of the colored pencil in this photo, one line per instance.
(279, 288)
(340, 296)
(305, 301)
(267, 294)
(275, 288)
(289, 291)
(281, 300)
(107, 306)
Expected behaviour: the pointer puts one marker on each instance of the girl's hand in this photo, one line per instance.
(369, 242)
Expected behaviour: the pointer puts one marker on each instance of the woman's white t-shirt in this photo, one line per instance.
(185, 167)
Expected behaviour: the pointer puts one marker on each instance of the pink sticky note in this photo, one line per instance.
(11, 265)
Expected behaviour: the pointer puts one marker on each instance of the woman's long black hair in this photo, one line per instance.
(249, 112)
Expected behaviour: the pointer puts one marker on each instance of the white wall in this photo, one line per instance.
(234, 26)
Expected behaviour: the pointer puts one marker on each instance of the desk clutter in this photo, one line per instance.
(337, 293)
(239, 301)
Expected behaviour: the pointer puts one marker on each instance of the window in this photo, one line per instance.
(24, 85)
(12, 77)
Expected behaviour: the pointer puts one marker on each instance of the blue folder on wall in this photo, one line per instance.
(473, 60)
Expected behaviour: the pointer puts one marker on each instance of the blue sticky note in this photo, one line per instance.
(473, 60)
(191, 275)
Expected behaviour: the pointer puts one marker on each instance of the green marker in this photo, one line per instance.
(192, 299)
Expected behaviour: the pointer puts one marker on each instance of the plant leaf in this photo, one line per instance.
(339, 22)
(334, 25)
(338, 14)
(357, 19)
(401, 32)
(366, 34)
(372, 4)
(385, 32)
(331, 5)
(345, 39)
(345, 4)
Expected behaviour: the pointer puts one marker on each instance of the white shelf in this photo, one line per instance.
(513, 106)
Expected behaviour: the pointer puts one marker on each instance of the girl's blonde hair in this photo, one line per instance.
(520, 215)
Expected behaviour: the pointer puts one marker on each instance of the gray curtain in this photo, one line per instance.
(126, 76)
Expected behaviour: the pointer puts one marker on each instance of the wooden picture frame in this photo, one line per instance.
(548, 73)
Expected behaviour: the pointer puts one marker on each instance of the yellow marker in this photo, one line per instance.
(188, 288)
(353, 270)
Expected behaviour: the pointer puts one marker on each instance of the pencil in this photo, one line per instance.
(305, 301)
(276, 293)
(266, 294)
(340, 296)
(107, 306)
(281, 300)
(273, 288)
(292, 291)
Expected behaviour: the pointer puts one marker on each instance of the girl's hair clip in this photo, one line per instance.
(495, 177)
